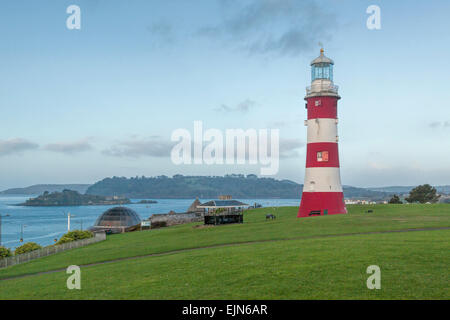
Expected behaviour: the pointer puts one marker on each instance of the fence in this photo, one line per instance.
(47, 251)
(224, 219)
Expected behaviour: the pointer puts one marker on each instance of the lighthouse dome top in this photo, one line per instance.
(322, 59)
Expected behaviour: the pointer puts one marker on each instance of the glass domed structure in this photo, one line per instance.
(117, 219)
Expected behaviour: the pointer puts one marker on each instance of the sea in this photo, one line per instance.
(45, 224)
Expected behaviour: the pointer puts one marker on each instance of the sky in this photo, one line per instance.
(103, 100)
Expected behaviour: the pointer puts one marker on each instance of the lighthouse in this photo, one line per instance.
(322, 189)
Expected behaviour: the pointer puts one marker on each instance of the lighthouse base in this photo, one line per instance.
(321, 203)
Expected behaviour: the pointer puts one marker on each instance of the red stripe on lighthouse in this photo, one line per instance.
(328, 158)
(321, 203)
(322, 107)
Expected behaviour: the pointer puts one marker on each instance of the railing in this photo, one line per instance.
(322, 87)
(47, 251)
(224, 219)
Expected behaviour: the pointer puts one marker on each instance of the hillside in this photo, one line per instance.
(239, 186)
(407, 189)
(287, 258)
(41, 188)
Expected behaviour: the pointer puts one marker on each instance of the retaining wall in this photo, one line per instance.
(174, 219)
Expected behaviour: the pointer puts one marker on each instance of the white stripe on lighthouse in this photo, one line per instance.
(322, 179)
(322, 130)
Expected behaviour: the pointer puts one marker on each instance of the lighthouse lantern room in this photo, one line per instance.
(322, 189)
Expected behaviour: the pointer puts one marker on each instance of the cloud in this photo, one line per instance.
(285, 27)
(435, 124)
(242, 107)
(289, 147)
(156, 146)
(153, 146)
(162, 30)
(69, 147)
(288, 121)
(16, 145)
(439, 124)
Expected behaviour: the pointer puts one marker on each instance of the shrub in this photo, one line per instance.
(27, 247)
(5, 252)
(74, 236)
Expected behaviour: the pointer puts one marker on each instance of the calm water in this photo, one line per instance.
(44, 224)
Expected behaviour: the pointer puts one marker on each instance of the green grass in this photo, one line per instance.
(414, 264)
(286, 226)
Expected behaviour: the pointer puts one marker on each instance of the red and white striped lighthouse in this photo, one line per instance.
(322, 189)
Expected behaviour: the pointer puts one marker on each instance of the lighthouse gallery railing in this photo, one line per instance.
(322, 87)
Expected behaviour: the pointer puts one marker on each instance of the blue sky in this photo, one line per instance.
(81, 105)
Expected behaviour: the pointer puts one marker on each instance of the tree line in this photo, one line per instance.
(420, 194)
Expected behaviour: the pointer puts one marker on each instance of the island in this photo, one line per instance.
(73, 198)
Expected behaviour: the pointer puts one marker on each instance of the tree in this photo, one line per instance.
(395, 200)
(423, 194)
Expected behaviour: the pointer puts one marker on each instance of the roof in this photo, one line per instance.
(194, 205)
(322, 59)
(118, 217)
(222, 204)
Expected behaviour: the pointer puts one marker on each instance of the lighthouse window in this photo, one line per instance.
(322, 71)
(319, 72)
(318, 103)
(322, 156)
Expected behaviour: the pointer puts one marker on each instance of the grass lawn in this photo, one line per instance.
(414, 264)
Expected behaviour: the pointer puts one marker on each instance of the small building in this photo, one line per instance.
(117, 220)
(223, 211)
(228, 206)
(193, 214)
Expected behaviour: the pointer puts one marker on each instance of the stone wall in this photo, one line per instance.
(158, 220)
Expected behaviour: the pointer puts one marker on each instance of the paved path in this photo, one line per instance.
(229, 245)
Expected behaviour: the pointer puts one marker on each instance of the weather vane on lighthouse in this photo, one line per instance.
(322, 189)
